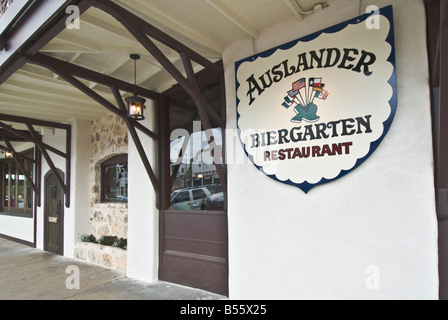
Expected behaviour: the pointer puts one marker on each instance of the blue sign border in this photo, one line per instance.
(386, 12)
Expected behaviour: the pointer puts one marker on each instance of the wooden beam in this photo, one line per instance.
(135, 123)
(65, 186)
(144, 9)
(169, 67)
(202, 109)
(141, 151)
(41, 38)
(127, 18)
(60, 66)
(197, 93)
(20, 164)
(32, 136)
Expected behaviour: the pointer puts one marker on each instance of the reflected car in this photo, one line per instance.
(209, 197)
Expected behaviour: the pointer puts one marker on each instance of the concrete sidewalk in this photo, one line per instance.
(31, 274)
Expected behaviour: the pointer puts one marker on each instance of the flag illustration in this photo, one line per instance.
(319, 88)
(288, 102)
(293, 93)
(305, 109)
(299, 84)
(317, 82)
(314, 82)
(322, 95)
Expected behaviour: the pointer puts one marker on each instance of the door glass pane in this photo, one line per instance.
(21, 191)
(5, 185)
(12, 180)
(192, 157)
(29, 190)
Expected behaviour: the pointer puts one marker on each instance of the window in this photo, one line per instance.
(114, 179)
(16, 195)
(193, 159)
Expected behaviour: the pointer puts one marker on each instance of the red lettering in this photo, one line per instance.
(316, 151)
(347, 147)
(281, 154)
(326, 150)
(267, 156)
(297, 153)
(337, 148)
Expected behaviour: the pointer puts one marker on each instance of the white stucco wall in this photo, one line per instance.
(380, 218)
(76, 217)
(143, 217)
(22, 228)
(78, 222)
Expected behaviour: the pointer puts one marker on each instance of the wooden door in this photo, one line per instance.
(194, 249)
(54, 215)
(193, 219)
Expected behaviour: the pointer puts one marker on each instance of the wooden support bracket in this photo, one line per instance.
(33, 136)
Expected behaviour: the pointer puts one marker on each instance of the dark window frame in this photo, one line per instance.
(26, 211)
(117, 159)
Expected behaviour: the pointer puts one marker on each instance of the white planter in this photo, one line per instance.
(106, 256)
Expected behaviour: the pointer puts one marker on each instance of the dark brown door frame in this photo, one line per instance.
(204, 79)
(437, 39)
(46, 214)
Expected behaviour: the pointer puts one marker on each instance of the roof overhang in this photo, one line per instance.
(71, 59)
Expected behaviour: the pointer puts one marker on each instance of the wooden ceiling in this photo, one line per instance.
(103, 45)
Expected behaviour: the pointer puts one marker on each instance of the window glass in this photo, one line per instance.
(181, 197)
(21, 191)
(29, 190)
(17, 193)
(193, 156)
(115, 179)
(6, 184)
(12, 187)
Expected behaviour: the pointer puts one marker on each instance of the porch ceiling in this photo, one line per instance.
(103, 45)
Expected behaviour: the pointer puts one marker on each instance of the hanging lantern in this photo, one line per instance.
(136, 104)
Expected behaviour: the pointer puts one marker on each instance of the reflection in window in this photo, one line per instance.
(17, 194)
(195, 183)
(114, 176)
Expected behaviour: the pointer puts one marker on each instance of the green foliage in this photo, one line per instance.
(121, 243)
(88, 238)
(112, 241)
(107, 240)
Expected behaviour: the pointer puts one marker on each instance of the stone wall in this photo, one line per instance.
(109, 138)
(106, 256)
